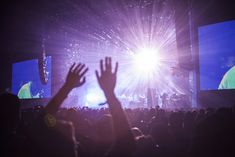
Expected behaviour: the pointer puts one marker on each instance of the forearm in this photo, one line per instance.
(120, 122)
(54, 104)
(124, 142)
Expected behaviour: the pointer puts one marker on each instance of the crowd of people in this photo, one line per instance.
(61, 132)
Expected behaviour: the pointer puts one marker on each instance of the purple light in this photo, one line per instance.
(89, 31)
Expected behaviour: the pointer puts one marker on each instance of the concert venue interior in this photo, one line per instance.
(117, 78)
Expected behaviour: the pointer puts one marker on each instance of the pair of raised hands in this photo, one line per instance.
(106, 78)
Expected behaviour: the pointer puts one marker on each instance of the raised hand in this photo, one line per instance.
(124, 143)
(107, 78)
(75, 76)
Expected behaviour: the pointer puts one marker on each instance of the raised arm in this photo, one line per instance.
(107, 80)
(75, 78)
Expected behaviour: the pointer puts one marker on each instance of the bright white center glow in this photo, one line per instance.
(93, 98)
(146, 60)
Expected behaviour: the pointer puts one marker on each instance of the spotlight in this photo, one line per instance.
(146, 60)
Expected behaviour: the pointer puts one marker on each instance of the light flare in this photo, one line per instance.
(146, 60)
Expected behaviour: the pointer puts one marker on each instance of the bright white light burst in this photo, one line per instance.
(146, 60)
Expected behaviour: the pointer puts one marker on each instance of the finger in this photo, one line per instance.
(83, 80)
(110, 64)
(84, 72)
(71, 68)
(97, 75)
(77, 67)
(106, 63)
(110, 60)
(101, 66)
(116, 68)
(80, 69)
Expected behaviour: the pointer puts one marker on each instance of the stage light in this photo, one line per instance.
(94, 98)
(146, 60)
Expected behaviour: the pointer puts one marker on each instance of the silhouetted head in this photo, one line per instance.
(56, 141)
(10, 111)
(176, 119)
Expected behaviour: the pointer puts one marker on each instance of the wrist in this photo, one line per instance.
(109, 95)
(66, 88)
